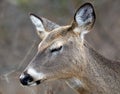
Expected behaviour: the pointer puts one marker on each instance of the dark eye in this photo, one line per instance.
(56, 49)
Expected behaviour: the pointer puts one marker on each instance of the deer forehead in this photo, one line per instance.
(58, 35)
(50, 45)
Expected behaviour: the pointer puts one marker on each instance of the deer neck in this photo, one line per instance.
(99, 76)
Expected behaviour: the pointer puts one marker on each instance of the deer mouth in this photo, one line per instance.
(35, 83)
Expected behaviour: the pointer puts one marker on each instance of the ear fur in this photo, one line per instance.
(84, 19)
(42, 25)
(85, 15)
(38, 23)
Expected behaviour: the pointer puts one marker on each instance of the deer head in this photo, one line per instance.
(60, 53)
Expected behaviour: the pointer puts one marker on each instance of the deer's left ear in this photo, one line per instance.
(84, 19)
(38, 22)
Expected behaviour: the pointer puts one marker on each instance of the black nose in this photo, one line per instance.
(25, 79)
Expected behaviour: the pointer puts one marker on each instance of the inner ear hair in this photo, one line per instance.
(85, 16)
(84, 20)
(38, 22)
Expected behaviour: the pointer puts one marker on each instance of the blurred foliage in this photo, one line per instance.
(25, 4)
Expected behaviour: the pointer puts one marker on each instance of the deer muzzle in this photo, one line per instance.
(27, 80)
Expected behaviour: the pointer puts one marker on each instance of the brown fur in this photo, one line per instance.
(98, 74)
(79, 64)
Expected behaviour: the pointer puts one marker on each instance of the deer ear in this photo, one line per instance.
(38, 22)
(84, 18)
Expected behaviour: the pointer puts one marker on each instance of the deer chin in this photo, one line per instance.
(41, 81)
(35, 83)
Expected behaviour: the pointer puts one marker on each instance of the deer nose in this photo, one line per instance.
(25, 79)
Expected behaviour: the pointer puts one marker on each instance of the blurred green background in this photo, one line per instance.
(18, 40)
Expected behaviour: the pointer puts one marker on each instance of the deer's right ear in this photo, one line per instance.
(84, 19)
(38, 25)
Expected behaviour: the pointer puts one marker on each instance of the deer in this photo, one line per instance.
(64, 54)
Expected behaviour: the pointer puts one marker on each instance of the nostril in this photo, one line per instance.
(26, 79)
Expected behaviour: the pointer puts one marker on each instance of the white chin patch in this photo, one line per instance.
(36, 75)
(33, 84)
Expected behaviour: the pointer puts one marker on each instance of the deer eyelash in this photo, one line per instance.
(55, 49)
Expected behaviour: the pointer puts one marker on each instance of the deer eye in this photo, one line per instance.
(55, 49)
